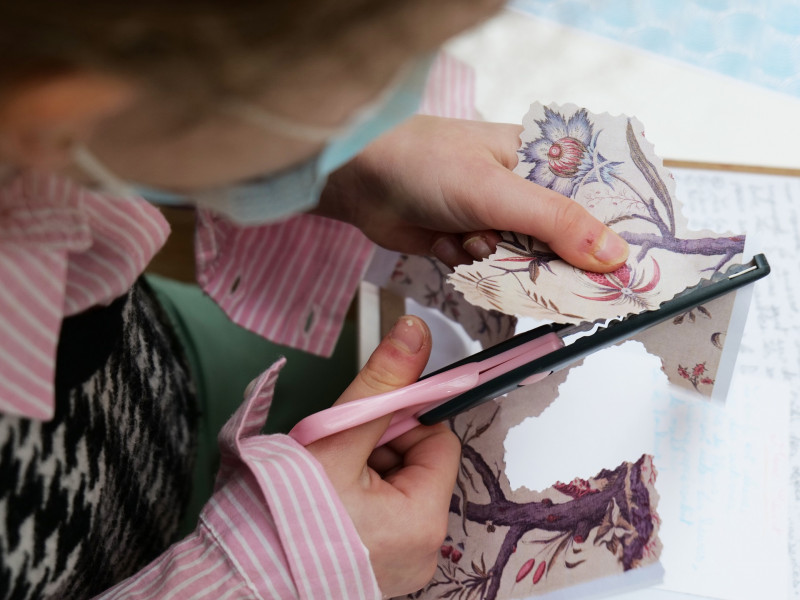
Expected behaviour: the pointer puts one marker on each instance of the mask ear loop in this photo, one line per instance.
(92, 167)
(287, 127)
(273, 123)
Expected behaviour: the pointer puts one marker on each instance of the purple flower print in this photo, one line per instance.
(566, 155)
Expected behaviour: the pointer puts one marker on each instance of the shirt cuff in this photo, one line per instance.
(290, 282)
(274, 527)
(309, 537)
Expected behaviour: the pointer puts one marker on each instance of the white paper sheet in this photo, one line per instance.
(768, 207)
(602, 413)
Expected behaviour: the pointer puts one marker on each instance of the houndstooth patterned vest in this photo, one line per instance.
(93, 495)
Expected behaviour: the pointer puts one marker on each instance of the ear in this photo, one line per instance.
(42, 120)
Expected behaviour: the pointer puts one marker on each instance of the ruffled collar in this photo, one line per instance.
(63, 249)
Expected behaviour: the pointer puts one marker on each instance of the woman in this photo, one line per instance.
(244, 108)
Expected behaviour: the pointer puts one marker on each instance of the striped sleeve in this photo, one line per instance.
(450, 91)
(63, 249)
(290, 282)
(274, 528)
(31, 296)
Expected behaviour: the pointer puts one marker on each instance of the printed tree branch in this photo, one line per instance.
(571, 520)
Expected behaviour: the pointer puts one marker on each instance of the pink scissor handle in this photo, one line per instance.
(406, 419)
(409, 400)
(406, 404)
(403, 421)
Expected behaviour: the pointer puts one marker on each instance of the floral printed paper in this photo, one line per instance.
(424, 279)
(701, 332)
(604, 163)
(508, 543)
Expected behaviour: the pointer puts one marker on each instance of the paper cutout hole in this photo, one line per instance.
(606, 403)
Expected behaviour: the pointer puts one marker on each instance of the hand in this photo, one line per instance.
(398, 496)
(445, 187)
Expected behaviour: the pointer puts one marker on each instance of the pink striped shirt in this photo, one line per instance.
(63, 249)
(274, 527)
(291, 282)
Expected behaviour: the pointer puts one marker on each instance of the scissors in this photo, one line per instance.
(521, 360)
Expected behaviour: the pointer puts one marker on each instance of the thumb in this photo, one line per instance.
(568, 228)
(397, 361)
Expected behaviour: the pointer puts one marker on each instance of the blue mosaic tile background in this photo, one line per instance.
(757, 41)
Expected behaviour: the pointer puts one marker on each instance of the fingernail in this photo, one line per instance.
(446, 250)
(612, 249)
(477, 247)
(408, 334)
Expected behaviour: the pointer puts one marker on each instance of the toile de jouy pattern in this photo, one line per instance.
(605, 163)
(424, 279)
(507, 544)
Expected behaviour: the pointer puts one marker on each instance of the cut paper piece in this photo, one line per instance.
(604, 163)
(716, 467)
(424, 279)
(720, 472)
(702, 335)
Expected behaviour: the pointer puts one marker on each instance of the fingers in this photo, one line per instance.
(421, 491)
(586, 243)
(398, 361)
(480, 244)
(448, 249)
(507, 202)
(496, 197)
(516, 204)
(391, 456)
(402, 516)
(454, 250)
(430, 464)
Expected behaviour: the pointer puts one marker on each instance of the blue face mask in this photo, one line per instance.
(298, 188)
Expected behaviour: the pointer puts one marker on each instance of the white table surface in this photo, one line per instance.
(689, 113)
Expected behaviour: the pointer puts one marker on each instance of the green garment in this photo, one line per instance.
(224, 358)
